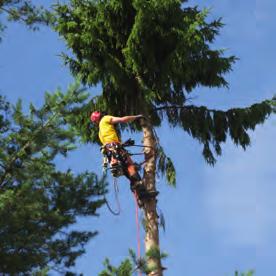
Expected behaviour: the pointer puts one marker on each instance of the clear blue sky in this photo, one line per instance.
(217, 219)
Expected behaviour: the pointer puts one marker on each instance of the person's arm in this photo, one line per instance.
(125, 119)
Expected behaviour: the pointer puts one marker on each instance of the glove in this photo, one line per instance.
(129, 142)
(142, 119)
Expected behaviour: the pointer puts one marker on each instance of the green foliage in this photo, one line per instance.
(130, 265)
(155, 50)
(249, 273)
(4, 113)
(162, 221)
(148, 56)
(155, 253)
(212, 127)
(166, 167)
(41, 272)
(26, 12)
(124, 269)
(273, 104)
(38, 202)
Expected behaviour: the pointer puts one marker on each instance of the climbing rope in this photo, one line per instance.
(116, 191)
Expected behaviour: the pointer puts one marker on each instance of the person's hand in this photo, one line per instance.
(141, 119)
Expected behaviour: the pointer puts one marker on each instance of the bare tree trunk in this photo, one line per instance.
(149, 206)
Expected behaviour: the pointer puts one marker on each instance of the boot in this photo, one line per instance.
(142, 193)
(146, 195)
(136, 185)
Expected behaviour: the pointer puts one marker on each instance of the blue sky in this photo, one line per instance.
(217, 219)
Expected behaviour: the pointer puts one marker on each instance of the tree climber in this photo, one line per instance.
(115, 153)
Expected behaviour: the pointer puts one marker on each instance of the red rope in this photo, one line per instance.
(137, 228)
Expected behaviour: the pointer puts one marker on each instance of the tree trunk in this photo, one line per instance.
(149, 206)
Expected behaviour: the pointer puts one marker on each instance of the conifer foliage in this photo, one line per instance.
(38, 202)
(24, 11)
(148, 57)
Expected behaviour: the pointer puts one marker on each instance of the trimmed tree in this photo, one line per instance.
(148, 56)
(38, 202)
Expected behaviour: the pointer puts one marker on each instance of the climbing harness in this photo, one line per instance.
(116, 160)
(116, 155)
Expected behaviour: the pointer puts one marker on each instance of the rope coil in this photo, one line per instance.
(116, 190)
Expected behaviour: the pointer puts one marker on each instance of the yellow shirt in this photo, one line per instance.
(107, 132)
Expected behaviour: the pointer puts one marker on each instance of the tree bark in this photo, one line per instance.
(149, 206)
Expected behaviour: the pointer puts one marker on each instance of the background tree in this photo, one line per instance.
(149, 56)
(249, 273)
(24, 11)
(129, 266)
(38, 202)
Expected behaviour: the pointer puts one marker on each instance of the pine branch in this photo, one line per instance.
(211, 127)
(28, 14)
(22, 149)
(181, 107)
(12, 14)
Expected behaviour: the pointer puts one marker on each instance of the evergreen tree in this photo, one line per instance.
(249, 273)
(24, 11)
(38, 202)
(128, 266)
(124, 269)
(149, 55)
